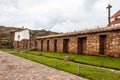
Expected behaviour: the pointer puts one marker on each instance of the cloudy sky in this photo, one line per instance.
(56, 15)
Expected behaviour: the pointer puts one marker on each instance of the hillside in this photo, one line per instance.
(5, 32)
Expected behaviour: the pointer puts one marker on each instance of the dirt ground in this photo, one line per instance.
(16, 68)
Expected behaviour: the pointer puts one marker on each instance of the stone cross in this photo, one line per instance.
(109, 21)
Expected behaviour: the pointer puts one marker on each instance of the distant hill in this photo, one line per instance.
(5, 32)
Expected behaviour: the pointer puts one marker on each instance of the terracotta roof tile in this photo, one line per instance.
(116, 14)
(116, 21)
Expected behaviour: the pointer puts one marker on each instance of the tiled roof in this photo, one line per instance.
(99, 30)
(116, 21)
(116, 14)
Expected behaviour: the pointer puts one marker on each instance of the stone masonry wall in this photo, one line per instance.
(73, 45)
(51, 45)
(59, 45)
(113, 44)
(39, 45)
(44, 45)
(91, 45)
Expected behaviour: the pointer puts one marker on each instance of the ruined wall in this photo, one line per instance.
(51, 45)
(59, 45)
(100, 43)
(113, 44)
(92, 44)
(38, 45)
(28, 45)
(73, 45)
(15, 43)
(44, 45)
(25, 44)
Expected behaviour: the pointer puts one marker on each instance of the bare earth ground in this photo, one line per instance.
(16, 68)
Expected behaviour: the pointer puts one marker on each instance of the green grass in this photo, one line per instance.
(88, 72)
(109, 62)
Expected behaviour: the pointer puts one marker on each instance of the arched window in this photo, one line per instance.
(18, 37)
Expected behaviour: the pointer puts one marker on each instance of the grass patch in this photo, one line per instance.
(109, 62)
(88, 72)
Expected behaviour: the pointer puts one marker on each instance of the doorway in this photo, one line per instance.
(102, 42)
(41, 45)
(47, 45)
(55, 45)
(82, 45)
(66, 45)
(35, 44)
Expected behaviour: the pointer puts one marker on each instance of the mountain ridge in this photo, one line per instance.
(5, 32)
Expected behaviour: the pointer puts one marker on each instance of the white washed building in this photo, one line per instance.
(24, 34)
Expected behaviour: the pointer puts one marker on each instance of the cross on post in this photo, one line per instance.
(109, 21)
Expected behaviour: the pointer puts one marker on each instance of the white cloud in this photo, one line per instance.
(67, 26)
(56, 15)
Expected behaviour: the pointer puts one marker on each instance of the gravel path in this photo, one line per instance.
(16, 68)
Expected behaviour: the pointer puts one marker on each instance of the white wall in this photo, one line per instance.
(112, 19)
(22, 35)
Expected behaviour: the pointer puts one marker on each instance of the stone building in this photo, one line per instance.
(19, 37)
(101, 41)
